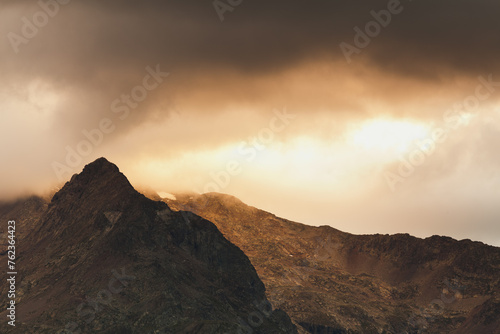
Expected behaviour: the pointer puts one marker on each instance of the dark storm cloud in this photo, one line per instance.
(261, 35)
(102, 47)
(94, 51)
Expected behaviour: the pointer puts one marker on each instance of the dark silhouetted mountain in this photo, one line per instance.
(330, 282)
(102, 258)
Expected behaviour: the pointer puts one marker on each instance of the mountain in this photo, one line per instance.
(102, 258)
(26, 212)
(330, 282)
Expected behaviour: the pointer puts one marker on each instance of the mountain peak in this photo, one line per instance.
(95, 225)
(100, 165)
(100, 177)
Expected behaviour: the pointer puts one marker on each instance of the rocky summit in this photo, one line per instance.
(331, 282)
(102, 258)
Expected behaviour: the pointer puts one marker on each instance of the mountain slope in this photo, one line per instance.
(26, 212)
(105, 259)
(334, 282)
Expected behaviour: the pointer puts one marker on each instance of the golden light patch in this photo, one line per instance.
(388, 136)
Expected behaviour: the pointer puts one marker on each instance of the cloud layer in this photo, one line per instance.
(65, 64)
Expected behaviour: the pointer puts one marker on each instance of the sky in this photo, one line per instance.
(368, 116)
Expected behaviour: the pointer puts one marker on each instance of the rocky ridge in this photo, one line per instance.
(329, 281)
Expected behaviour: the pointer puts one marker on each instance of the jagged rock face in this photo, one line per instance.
(105, 259)
(334, 282)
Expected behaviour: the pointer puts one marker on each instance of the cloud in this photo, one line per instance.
(93, 52)
(225, 80)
